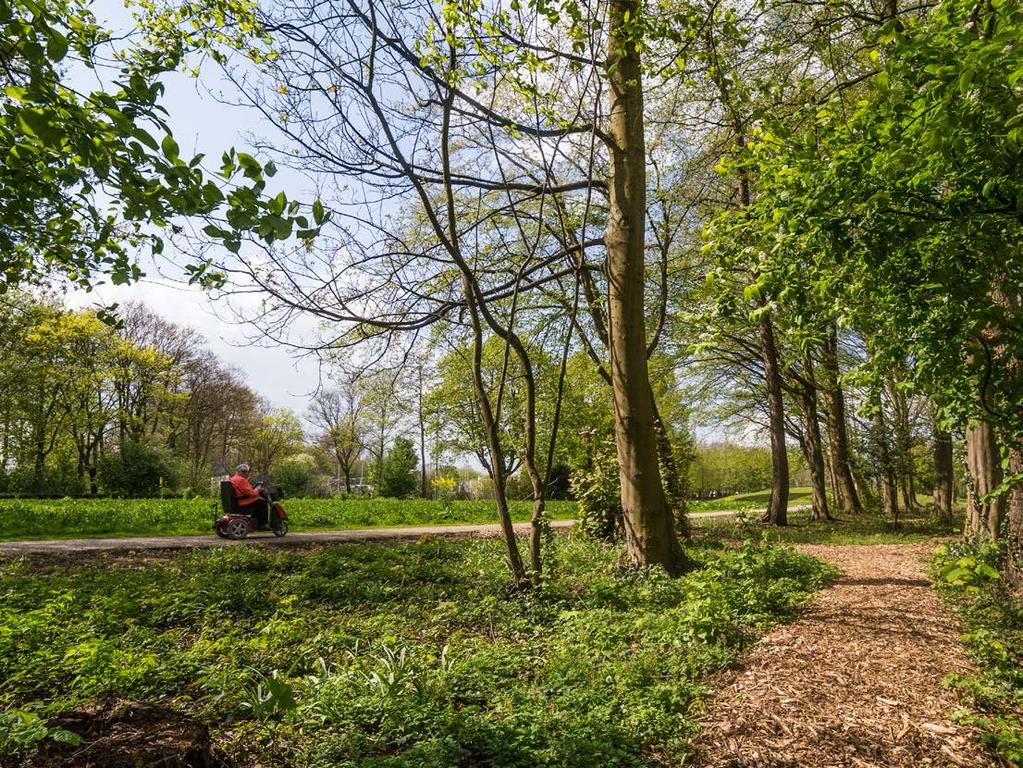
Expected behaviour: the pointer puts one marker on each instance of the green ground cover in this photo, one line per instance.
(994, 636)
(413, 655)
(73, 518)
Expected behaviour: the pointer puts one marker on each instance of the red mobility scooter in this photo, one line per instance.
(235, 524)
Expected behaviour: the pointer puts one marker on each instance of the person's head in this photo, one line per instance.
(242, 469)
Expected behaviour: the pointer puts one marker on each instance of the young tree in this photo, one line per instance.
(218, 412)
(395, 477)
(276, 434)
(498, 190)
(383, 399)
(339, 415)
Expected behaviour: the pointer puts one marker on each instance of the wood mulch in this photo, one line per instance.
(856, 682)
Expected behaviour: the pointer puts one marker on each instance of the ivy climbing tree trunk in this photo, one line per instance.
(674, 483)
(649, 527)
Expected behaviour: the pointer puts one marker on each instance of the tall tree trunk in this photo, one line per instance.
(908, 489)
(674, 483)
(423, 485)
(473, 307)
(943, 476)
(1014, 518)
(814, 452)
(649, 527)
(902, 460)
(832, 479)
(886, 472)
(983, 461)
(536, 522)
(838, 438)
(38, 463)
(777, 509)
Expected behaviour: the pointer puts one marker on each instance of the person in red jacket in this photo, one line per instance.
(250, 500)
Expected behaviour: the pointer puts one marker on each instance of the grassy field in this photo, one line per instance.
(798, 496)
(73, 518)
(758, 500)
(865, 529)
(393, 657)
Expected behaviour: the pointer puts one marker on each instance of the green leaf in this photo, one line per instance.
(56, 45)
(170, 148)
(250, 166)
(214, 231)
(36, 122)
(16, 93)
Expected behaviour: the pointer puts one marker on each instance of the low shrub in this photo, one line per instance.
(969, 578)
(140, 470)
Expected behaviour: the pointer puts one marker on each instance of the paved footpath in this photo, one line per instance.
(295, 539)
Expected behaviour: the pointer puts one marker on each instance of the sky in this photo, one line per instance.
(201, 124)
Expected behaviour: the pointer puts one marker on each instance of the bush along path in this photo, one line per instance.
(858, 681)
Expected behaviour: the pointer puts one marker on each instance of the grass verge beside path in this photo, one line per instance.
(994, 620)
(798, 496)
(81, 518)
(866, 529)
(396, 656)
(744, 501)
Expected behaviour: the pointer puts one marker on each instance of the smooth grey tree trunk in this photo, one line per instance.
(777, 508)
(983, 462)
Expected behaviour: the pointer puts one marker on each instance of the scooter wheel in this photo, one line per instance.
(220, 532)
(281, 529)
(237, 529)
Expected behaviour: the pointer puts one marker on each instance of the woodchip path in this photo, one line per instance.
(856, 682)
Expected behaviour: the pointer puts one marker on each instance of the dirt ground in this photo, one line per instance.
(128, 734)
(857, 682)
